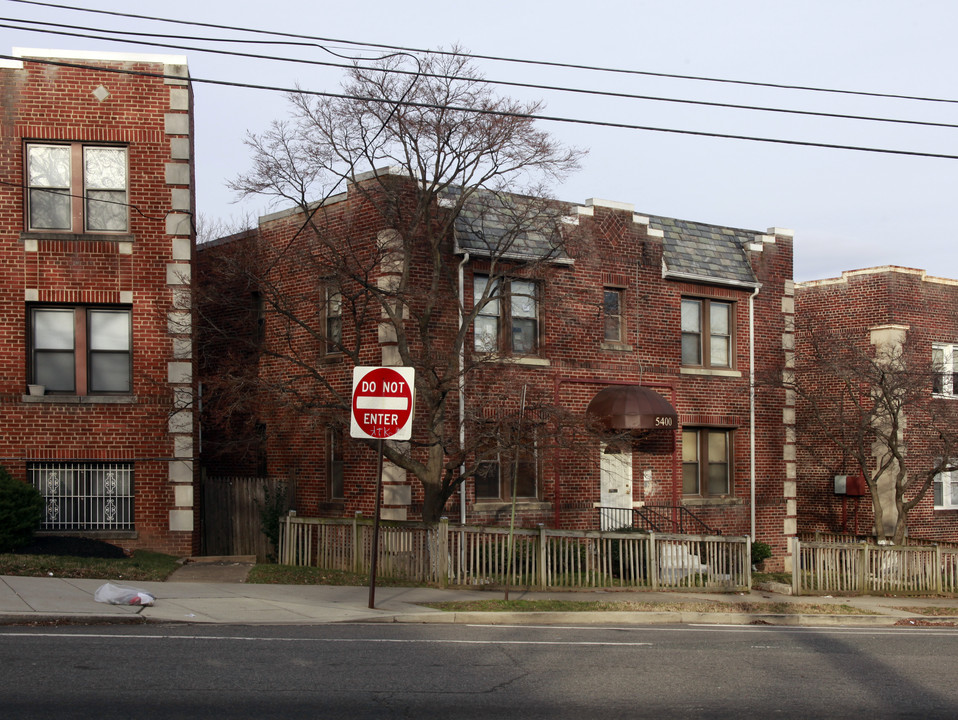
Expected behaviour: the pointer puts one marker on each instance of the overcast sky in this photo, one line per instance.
(848, 209)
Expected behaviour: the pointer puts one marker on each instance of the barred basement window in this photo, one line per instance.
(84, 495)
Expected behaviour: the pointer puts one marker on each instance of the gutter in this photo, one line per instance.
(751, 407)
(462, 394)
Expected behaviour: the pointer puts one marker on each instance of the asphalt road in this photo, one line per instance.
(414, 671)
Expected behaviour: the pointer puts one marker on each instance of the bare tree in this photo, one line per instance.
(450, 163)
(869, 408)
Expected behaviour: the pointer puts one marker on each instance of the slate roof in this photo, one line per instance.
(508, 225)
(697, 250)
(692, 250)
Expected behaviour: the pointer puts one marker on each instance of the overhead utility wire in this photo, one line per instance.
(500, 113)
(398, 71)
(496, 58)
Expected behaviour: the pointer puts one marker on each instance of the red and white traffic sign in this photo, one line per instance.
(383, 399)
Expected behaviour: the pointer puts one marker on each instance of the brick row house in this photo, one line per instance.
(96, 201)
(606, 363)
(902, 313)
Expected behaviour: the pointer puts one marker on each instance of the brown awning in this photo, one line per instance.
(632, 407)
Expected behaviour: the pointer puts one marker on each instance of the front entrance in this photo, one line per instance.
(615, 487)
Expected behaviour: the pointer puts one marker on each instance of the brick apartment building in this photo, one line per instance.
(871, 309)
(96, 200)
(649, 326)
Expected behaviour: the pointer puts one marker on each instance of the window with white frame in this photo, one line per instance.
(707, 335)
(508, 320)
(84, 495)
(81, 350)
(946, 490)
(945, 380)
(77, 188)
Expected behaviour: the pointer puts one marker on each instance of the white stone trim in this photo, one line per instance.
(99, 55)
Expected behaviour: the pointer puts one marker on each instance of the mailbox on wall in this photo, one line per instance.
(854, 485)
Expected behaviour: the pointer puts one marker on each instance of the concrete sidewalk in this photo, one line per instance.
(26, 600)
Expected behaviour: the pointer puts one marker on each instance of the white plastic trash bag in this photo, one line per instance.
(121, 595)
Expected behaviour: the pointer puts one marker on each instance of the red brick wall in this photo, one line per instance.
(48, 103)
(850, 306)
(572, 341)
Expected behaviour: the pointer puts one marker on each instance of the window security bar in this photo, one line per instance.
(85, 496)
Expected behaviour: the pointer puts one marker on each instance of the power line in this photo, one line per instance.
(456, 53)
(398, 71)
(481, 111)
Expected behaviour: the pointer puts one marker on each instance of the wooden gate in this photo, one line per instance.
(232, 523)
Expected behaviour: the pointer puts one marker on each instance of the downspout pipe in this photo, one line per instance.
(462, 393)
(751, 407)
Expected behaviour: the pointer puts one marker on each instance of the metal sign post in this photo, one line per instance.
(382, 408)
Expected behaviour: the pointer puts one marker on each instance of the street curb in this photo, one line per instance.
(31, 618)
(643, 618)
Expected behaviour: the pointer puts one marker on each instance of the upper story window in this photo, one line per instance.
(509, 321)
(706, 333)
(945, 380)
(81, 350)
(77, 188)
(706, 462)
(612, 310)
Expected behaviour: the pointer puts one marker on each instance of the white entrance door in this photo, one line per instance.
(615, 490)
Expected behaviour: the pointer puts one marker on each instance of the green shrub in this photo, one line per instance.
(271, 512)
(760, 551)
(21, 510)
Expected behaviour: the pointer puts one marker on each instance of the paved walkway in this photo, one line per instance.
(214, 592)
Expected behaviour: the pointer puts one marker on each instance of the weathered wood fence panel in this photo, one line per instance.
(866, 568)
(231, 515)
(463, 555)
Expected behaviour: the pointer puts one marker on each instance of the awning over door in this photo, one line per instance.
(632, 407)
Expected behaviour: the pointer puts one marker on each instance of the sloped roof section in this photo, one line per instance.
(508, 226)
(707, 253)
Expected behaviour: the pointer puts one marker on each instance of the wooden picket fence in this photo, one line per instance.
(447, 554)
(866, 568)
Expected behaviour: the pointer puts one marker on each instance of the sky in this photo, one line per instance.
(848, 209)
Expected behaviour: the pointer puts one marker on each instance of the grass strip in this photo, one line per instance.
(936, 611)
(295, 575)
(142, 566)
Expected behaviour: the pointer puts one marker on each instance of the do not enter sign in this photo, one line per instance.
(382, 403)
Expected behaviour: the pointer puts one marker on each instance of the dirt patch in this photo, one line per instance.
(71, 546)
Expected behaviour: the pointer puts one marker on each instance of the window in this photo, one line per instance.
(84, 496)
(509, 321)
(81, 350)
(706, 333)
(946, 490)
(612, 305)
(945, 380)
(77, 188)
(257, 311)
(706, 466)
(334, 456)
(496, 470)
(334, 320)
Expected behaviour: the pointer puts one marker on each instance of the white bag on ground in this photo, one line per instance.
(122, 595)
